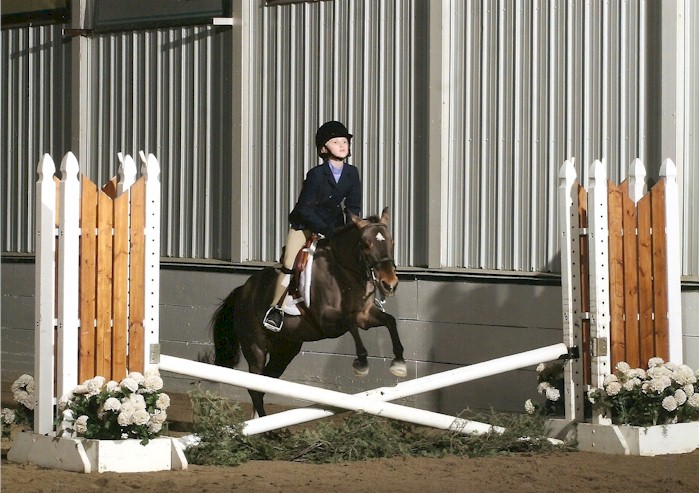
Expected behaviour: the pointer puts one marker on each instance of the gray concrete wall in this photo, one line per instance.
(444, 322)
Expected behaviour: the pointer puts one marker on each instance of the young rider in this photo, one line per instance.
(319, 208)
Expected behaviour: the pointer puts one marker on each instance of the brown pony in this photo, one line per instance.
(347, 270)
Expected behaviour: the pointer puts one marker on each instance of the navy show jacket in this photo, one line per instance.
(318, 207)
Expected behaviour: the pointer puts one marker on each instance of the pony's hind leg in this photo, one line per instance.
(280, 355)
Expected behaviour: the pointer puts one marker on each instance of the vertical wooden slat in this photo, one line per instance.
(119, 286)
(645, 280)
(660, 272)
(88, 287)
(584, 284)
(616, 275)
(630, 279)
(104, 285)
(137, 276)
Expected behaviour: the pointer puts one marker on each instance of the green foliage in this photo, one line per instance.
(358, 436)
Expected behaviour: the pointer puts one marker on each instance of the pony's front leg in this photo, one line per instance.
(360, 365)
(398, 367)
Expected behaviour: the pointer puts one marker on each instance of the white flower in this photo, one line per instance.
(623, 366)
(64, 401)
(611, 378)
(141, 417)
(541, 367)
(112, 404)
(680, 397)
(693, 401)
(653, 362)
(81, 424)
(23, 382)
(632, 383)
(154, 427)
(688, 389)
(658, 371)
(553, 394)
(163, 401)
(125, 417)
(129, 384)
(613, 388)
(124, 436)
(669, 403)
(136, 401)
(112, 386)
(81, 390)
(152, 383)
(659, 384)
(541, 388)
(529, 406)
(592, 397)
(94, 386)
(684, 375)
(25, 398)
(8, 416)
(137, 376)
(671, 366)
(158, 416)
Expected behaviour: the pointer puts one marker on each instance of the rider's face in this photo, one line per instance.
(338, 147)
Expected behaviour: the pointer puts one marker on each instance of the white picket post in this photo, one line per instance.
(637, 180)
(668, 173)
(568, 221)
(151, 323)
(44, 300)
(127, 173)
(68, 276)
(600, 316)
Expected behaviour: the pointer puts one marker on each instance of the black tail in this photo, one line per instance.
(226, 344)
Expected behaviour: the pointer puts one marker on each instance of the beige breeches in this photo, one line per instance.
(295, 241)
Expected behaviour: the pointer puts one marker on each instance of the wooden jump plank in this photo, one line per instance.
(88, 289)
(119, 286)
(630, 279)
(137, 269)
(645, 280)
(616, 275)
(104, 285)
(660, 278)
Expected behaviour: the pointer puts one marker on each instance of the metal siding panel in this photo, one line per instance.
(35, 98)
(690, 185)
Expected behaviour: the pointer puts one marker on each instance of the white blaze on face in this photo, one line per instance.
(380, 237)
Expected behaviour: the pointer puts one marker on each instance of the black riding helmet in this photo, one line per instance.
(330, 130)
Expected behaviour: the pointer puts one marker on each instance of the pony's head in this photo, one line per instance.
(376, 245)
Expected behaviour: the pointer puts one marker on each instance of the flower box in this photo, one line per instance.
(84, 455)
(678, 438)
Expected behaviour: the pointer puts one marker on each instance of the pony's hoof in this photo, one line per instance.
(361, 368)
(398, 368)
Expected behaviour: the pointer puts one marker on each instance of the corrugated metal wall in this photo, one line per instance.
(531, 84)
(35, 119)
(168, 92)
(690, 247)
(525, 85)
(352, 61)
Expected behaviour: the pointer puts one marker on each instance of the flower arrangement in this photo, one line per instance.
(550, 385)
(23, 393)
(665, 393)
(132, 408)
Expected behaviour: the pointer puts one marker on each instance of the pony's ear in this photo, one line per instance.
(384, 216)
(359, 221)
